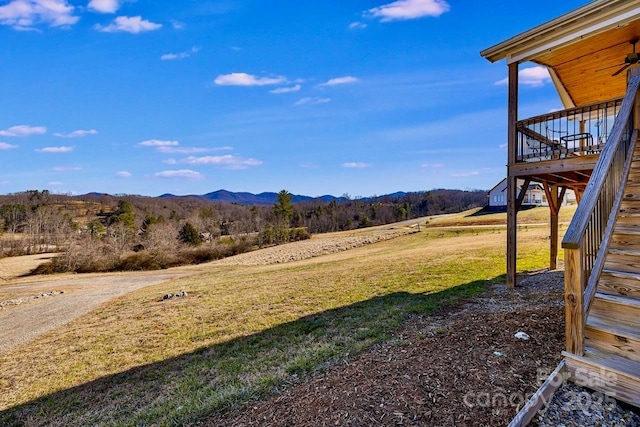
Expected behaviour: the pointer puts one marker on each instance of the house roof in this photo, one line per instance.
(582, 49)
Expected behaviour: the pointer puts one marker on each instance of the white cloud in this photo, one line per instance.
(503, 146)
(124, 174)
(340, 81)
(179, 174)
(128, 24)
(158, 143)
(279, 90)
(465, 174)
(104, 6)
(5, 146)
(357, 26)
(533, 76)
(409, 9)
(23, 130)
(181, 55)
(228, 160)
(312, 101)
(55, 149)
(356, 165)
(244, 79)
(177, 25)
(431, 165)
(55, 183)
(63, 169)
(25, 14)
(190, 150)
(76, 133)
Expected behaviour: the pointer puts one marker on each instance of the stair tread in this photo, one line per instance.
(613, 327)
(604, 359)
(626, 229)
(624, 251)
(619, 299)
(621, 274)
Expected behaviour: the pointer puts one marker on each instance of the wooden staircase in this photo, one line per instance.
(611, 360)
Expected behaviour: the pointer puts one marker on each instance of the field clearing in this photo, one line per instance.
(244, 331)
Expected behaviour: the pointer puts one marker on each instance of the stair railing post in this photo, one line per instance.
(573, 292)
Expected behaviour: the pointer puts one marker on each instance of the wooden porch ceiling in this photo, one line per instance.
(581, 67)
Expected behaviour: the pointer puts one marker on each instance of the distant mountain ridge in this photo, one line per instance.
(266, 198)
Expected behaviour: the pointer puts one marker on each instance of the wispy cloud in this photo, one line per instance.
(432, 165)
(158, 143)
(533, 76)
(290, 89)
(228, 161)
(63, 169)
(5, 146)
(128, 24)
(104, 6)
(309, 165)
(312, 101)
(357, 26)
(244, 79)
(26, 14)
(190, 150)
(55, 183)
(408, 9)
(339, 81)
(465, 174)
(181, 55)
(76, 133)
(356, 165)
(179, 174)
(55, 149)
(124, 174)
(23, 130)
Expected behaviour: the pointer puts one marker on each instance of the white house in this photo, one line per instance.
(534, 196)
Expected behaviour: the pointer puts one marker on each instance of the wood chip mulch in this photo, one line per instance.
(461, 367)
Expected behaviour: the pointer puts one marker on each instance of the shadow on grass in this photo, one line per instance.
(224, 376)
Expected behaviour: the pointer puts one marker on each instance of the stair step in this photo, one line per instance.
(607, 373)
(626, 229)
(619, 283)
(623, 241)
(612, 337)
(618, 308)
(630, 208)
(622, 260)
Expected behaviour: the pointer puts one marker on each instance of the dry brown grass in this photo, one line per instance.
(243, 330)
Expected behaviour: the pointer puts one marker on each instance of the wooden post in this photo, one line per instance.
(554, 208)
(512, 187)
(573, 294)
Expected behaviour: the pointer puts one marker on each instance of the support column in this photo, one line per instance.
(553, 249)
(555, 201)
(512, 187)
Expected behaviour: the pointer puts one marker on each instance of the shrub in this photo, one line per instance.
(189, 235)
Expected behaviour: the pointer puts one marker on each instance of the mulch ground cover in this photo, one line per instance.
(461, 367)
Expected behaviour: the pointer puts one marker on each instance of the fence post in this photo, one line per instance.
(573, 300)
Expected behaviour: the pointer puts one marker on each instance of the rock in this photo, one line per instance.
(522, 335)
(167, 296)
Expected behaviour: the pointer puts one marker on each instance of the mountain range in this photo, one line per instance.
(266, 198)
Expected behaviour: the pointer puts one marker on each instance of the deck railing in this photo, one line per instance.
(576, 131)
(586, 241)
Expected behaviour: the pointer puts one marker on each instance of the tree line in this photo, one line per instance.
(160, 232)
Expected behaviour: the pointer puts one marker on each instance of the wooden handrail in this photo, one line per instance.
(587, 238)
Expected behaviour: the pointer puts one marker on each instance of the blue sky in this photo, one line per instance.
(316, 97)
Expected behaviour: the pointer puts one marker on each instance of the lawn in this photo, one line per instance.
(244, 332)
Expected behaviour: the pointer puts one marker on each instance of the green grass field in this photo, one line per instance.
(244, 331)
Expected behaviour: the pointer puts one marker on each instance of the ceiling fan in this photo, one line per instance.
(629, 60)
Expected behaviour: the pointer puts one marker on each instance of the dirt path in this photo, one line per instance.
(37, 314)
(30, 307)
